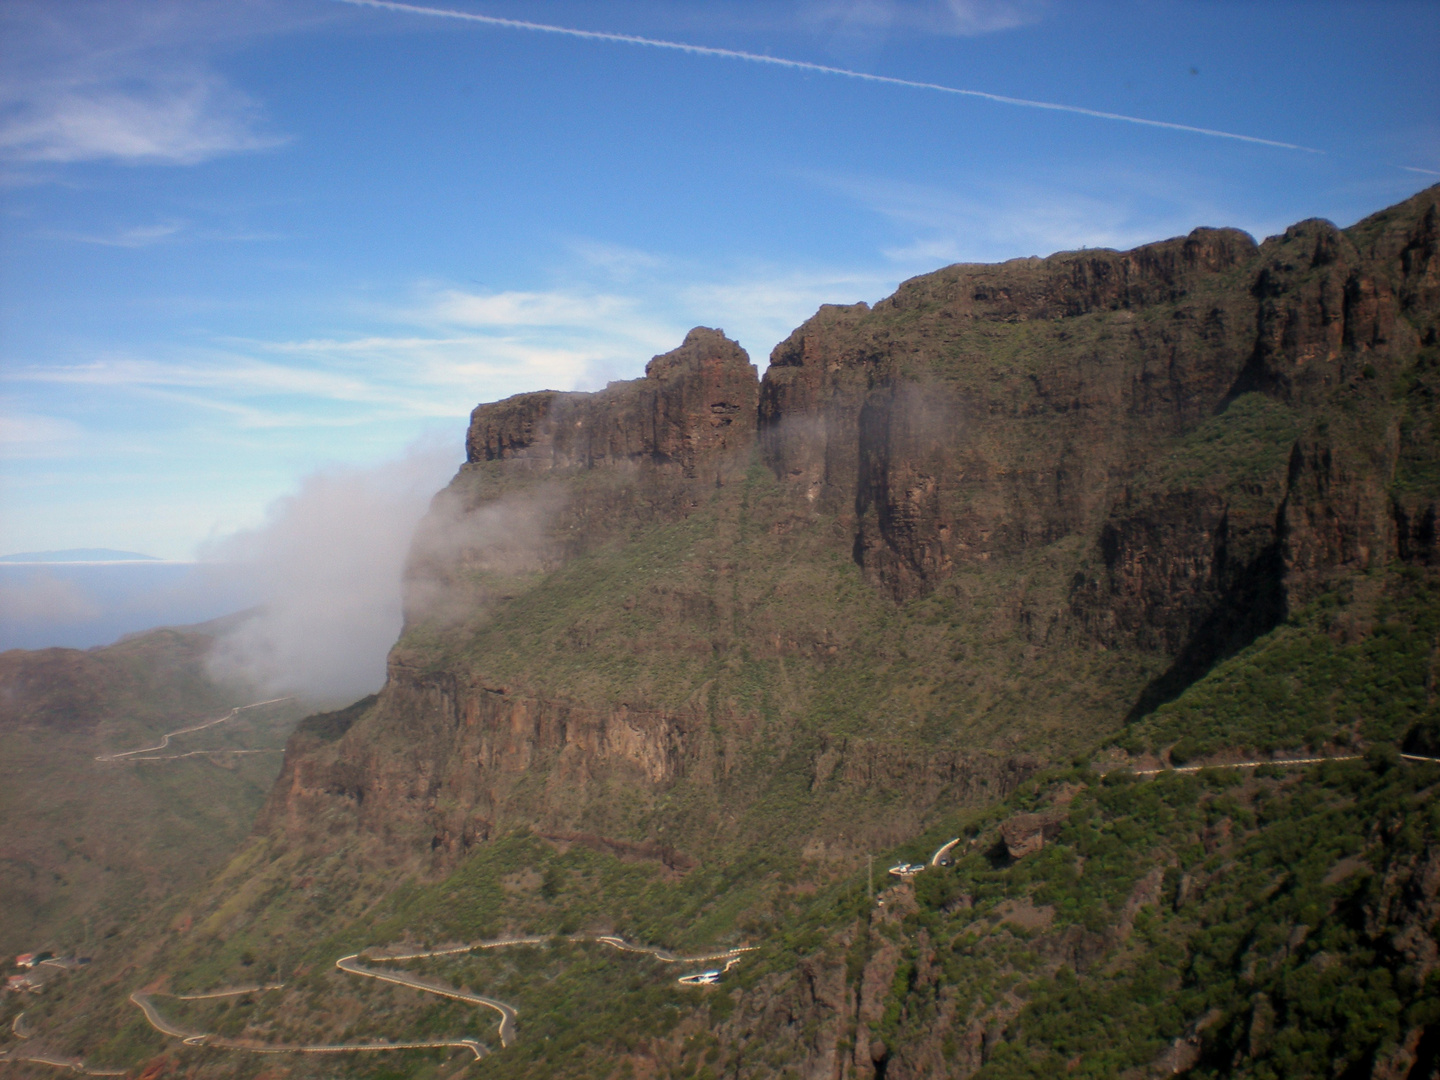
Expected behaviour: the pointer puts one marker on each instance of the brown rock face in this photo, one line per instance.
(939, 456)
(899, 419)
(694, 405)
(1098, 459)
(1025, 834)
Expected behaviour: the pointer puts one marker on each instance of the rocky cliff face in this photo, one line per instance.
(1123, 464)
(695, 408)
(747, 631)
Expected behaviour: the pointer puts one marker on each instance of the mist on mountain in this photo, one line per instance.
(326, 570)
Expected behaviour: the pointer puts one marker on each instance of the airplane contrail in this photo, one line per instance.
(805, 65)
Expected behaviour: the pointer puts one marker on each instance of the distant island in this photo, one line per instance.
(74, 555)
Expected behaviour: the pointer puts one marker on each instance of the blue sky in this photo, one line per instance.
(243, 241)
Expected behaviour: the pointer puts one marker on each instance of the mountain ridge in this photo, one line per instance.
(680, 655)
(882, 441)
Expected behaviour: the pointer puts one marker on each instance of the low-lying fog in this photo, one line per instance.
(322, 574)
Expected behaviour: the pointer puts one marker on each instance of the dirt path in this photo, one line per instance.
(204, 1038)
(75, 1065)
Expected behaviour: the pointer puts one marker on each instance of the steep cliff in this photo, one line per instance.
(681, 653)
(995, 515)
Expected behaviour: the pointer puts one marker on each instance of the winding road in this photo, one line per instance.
(73, 1064)
(232, 992)
(350, 965)
(667, 957)
(165, 739)
(401, 978)
(1257, 764)
(203, 1038)
(508, 1013)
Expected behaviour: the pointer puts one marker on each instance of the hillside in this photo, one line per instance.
(681, 654)
(89, 844)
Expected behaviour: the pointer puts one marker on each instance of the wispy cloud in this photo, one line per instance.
(762, 308)
(165, 232)
(963, 18)
(438, 352)
(88, 81)
(434, 356)
(986, 222)
(387, 383)
(824, 69)
(178, 121)
(525, 309)
(30, 436)
(136, 236)
(616, 261)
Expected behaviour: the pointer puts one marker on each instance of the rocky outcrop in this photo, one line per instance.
(440, 763)
(1025, 834)
(1152, 454)
(939, 457)
(694, 408)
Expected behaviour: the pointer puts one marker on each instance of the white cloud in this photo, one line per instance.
(174, 121)
(327, 567)
(34, 436)
(454, 350)
(616, 261)
(526, 309)
(137, 236)
(93, 81)
(760, 310)
(987, 16)
(965, 18)
(991, 223)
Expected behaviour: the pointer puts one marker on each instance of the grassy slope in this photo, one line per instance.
(90, 844)
(760, 612)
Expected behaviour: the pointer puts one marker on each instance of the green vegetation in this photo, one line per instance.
(1264, 937)
(95, 843)
(1355, 666)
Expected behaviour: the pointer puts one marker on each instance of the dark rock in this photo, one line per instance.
(695, 403)
(1024, 834)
